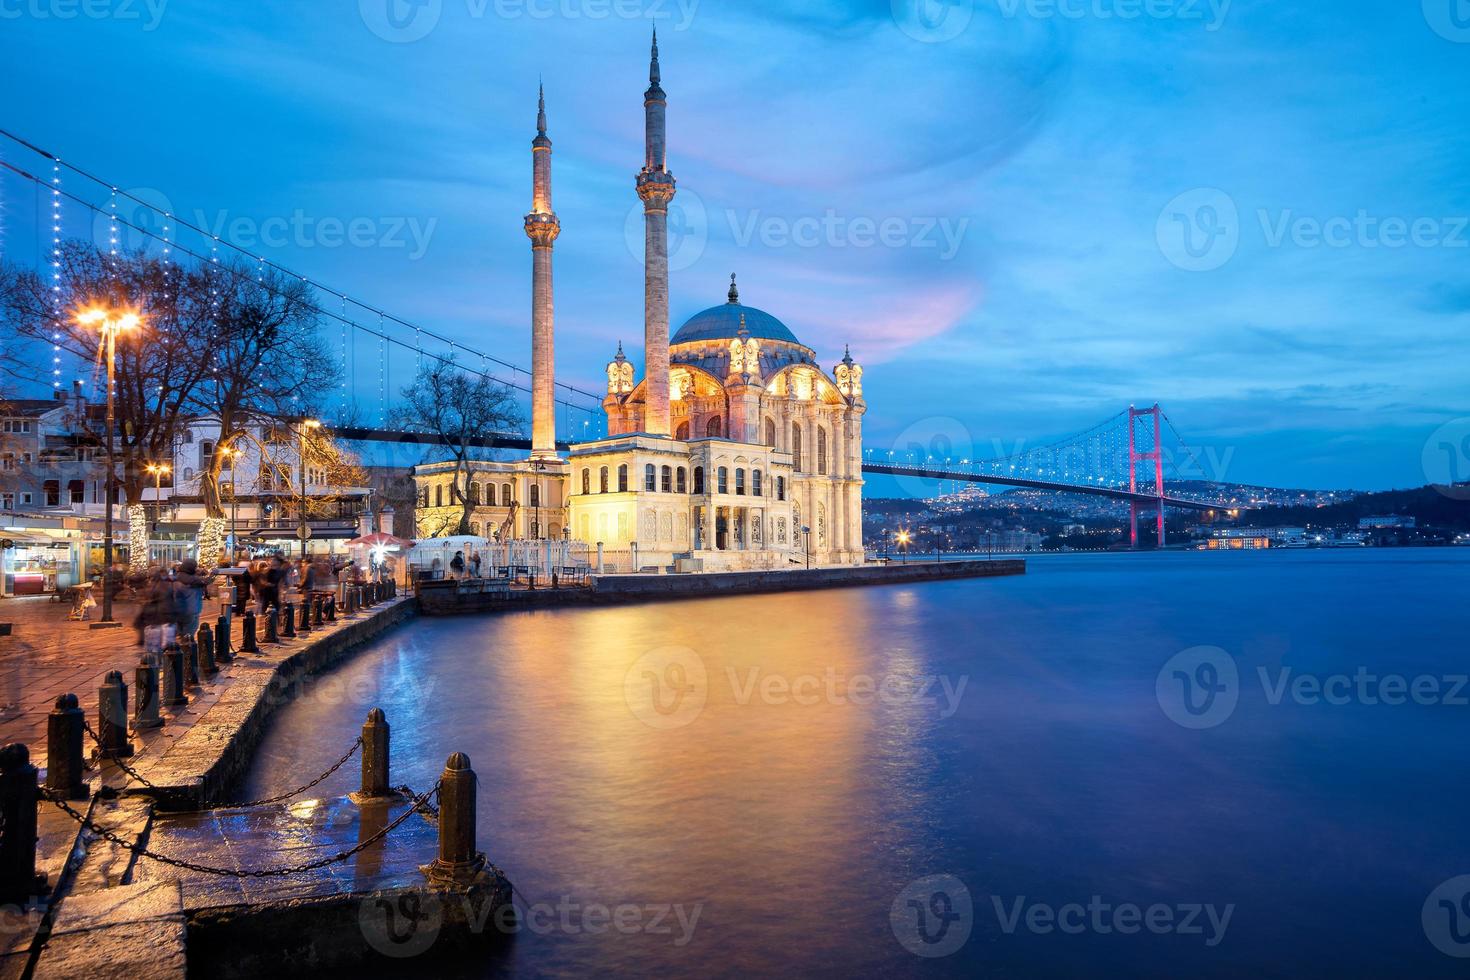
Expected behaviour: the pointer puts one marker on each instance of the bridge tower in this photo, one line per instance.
(1156, 456)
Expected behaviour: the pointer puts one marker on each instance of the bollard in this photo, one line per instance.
(248, 642)
(458, 860)
(19, 796)
(64, 749)
(273, 625)
(112, 717)
(191, 660)
(288, 621)
(305, 625)
(174, 676)
(374, 755)
(204, 643)
(349, 601)
(317, 616)
(331, 603)
(145, 696)
(222, 652)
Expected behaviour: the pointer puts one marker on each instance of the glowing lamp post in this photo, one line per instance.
(306, 426)
(232, 457)
(903, 539)
(110, 323)
(158, 471)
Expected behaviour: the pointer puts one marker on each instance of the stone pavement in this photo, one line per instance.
(46, 656)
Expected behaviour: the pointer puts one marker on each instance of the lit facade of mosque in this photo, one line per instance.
(736, 450)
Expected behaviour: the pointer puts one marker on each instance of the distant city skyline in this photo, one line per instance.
(1022, 216)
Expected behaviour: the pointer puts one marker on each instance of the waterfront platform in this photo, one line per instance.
(445, 597)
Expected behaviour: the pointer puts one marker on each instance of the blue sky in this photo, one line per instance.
(1023, 215)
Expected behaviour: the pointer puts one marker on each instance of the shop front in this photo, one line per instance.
(40, 561)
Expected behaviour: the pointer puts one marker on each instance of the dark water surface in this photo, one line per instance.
(747, 775)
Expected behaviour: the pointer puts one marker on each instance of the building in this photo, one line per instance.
(735, 450)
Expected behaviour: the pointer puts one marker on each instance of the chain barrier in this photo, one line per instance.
(142, 851)
(129, 770)
(135, 774)
(428, 808)
(357, 744)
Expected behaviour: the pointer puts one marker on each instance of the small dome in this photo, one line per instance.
(723, 323)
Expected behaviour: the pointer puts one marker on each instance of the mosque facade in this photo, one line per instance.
(735, 450)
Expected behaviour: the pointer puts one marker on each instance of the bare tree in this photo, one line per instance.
(267, 360)
(160, 366)
(461, 410)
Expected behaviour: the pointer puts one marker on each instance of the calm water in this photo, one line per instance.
(792, 818)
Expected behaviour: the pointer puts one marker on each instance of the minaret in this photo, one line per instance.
(542, 227)
(656, 188)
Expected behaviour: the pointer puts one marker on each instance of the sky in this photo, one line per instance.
(1022, 215)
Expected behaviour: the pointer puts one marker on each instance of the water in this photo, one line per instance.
(792, 826)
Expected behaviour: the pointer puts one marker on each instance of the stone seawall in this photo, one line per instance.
(198, 770)
(447, 598)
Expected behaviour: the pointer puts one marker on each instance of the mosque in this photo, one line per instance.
(735, 450)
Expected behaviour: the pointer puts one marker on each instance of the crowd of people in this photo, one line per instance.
(172, 600)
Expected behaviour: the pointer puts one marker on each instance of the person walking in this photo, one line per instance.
(456, 564)
(190, 588)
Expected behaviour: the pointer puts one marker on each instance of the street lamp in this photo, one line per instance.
(158, 471)
(110, 323)
(306, 426)
(903, 542)
(232, 456)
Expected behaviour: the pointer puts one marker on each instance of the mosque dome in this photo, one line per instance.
(723, 323)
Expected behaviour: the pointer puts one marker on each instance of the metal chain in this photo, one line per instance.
(428, 808)
(142, 851)
(116, 761)
(301, 789)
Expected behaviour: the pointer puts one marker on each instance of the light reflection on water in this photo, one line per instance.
(792, 816)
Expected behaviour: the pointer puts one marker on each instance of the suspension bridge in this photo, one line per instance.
(1125, 458)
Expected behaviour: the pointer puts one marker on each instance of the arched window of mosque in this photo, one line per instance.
(740, 482)
(682, 433)
(623, 478)
(535, 496)
(821, 449)
(712, 428)
(650, 478)
(666, 479)
(474, 495)
(439, 495)
(586, 481)
(423, 492)
(699, 479)
(796, 447)
(723, 486)
(506, 495)
(755, 483)
(603, 477)
(770, 433)
(780, 488)
(586, 525)
(681, 482)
